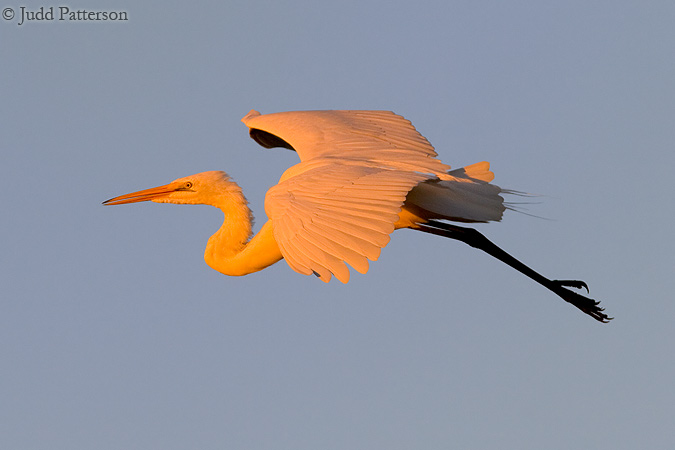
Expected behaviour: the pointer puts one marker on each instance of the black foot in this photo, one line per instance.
(587, 305)
(573, 283)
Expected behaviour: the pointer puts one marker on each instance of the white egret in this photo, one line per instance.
(362, 175)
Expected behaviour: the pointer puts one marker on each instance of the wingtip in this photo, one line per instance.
(251, 114)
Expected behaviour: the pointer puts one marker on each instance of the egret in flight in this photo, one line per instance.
(362, 174)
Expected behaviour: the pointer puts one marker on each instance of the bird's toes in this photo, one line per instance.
(572, 283)
(587, 305)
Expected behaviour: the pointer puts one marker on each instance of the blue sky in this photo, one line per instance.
(115, 334)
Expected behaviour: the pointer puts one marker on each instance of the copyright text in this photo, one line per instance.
(61, 14)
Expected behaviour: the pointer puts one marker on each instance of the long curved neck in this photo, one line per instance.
(231, 250)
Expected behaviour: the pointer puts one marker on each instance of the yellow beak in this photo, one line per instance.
(144, 195)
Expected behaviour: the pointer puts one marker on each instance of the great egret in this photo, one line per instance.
(362, 175)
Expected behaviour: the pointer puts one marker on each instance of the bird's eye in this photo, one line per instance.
(188, 185)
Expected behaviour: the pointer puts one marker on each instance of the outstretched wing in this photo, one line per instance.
(340, 204)
(378, 136)
(332, 213)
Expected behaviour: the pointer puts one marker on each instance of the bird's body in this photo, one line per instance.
(362, 175)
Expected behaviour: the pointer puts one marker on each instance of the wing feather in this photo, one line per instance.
(372, 135)
(341, 203)
(327, 244)
(365, 248)
(333, 214)
(299, 263)
(323, 261)
(378, 237)
(360, 214)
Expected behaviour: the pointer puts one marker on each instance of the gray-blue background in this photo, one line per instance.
(114, 334)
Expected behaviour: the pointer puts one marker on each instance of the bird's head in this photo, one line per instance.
(206, 188)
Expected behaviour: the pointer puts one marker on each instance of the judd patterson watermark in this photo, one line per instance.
(61, 14)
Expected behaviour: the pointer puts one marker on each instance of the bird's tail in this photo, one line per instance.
(464, 195)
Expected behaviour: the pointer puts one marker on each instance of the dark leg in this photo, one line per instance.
(477, 240)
